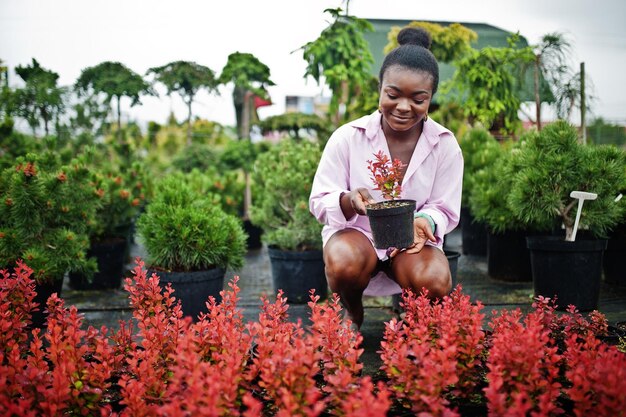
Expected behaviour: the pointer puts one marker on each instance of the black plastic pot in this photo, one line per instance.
(453, 261)
(613, 264)
(569, 271)
(111, 256)
(508, 258)
(392, 223)
(473, 234)
(43, 291)
(254, 235)
(297, 272)
(193, 288)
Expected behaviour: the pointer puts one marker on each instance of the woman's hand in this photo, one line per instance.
(355, 201)
(421, 233)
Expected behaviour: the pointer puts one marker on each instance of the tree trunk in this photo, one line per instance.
(537, 94)
(189, 122)
(246, 115)
(238, 101)
(119, 121)
(583, 105)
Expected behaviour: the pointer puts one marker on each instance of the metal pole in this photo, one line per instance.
(583, 106)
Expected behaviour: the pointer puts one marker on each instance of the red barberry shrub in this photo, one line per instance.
(338, 345)
(285, 362)
(435, 353)
(523, 363)
(366, 400)
(159, 320)
(68, 374)
(596, 377)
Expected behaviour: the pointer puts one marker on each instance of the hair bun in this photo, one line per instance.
(414, 36)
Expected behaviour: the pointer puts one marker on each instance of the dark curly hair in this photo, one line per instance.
(413, 52)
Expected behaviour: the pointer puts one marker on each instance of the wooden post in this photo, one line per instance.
(583, 106)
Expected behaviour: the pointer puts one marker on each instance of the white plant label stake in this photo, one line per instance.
(581, 196)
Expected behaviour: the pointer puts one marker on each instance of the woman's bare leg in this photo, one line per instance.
(350, 262)
(427, 269)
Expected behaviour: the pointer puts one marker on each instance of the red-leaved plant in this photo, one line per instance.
(435, 353)
(538, 364)
(386, 175)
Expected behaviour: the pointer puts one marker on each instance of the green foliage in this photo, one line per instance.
(195, 156)
(41, 99)
(246, 71)
(114, 80)
(553, 164)
(294, 122)
(602, 133)
(184, 230)
(480, 149)
(122, 191)
(185, 78)
(285, 176)
(487, 82)
(223, 188)
(451, 115)
(448, 42)
(14, 144)
(250, 77)
(241, 154)
(492, 185)
(46, 214)
(342, 57)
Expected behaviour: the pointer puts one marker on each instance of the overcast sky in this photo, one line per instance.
(67, 36)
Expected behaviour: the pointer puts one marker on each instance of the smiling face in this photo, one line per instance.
(405, 96)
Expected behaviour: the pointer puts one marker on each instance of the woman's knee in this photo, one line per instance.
(348, 258)
(431, 273)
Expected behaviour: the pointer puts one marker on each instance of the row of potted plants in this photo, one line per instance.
(523, 194)
(439, 361)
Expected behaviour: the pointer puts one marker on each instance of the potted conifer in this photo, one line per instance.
(46, 214)
(508, 258)
(480, 149)
(190, 242)
(552, 165)
(122, 192)
(293, 236)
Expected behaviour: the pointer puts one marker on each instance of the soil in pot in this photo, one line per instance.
(296, 273)
(392, 223)
(569, 271)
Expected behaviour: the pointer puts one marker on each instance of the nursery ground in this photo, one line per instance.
(110, 306)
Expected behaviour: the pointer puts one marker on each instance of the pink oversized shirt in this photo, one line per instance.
(433, 178)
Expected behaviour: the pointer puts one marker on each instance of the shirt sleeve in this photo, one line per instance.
(331, 179)
(444, 203)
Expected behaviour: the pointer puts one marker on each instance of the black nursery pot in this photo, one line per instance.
(296, 273)
(473, 234)
(111, 256)
(392, 223)
(571, 271)
(193, 288)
